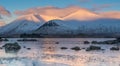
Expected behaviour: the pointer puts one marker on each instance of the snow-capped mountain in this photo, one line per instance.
(48, 23)
(53, 27)
(24, 24)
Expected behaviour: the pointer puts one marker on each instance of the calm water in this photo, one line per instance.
(45, 52)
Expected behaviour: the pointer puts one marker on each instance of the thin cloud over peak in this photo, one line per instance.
(4, 11)
(111, 14)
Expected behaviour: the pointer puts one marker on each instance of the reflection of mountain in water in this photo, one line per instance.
(49, 47)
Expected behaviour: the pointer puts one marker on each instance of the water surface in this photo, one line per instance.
(48, 52)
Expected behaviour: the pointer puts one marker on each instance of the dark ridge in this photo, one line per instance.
(50, 23)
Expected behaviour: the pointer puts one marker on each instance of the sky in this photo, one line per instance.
(97, 5)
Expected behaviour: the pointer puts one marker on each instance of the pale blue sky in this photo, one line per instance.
(13, 5)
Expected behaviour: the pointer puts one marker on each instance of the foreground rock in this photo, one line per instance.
(11, 47)
(4, 39)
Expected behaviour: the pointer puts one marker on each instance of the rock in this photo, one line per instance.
(56, 42)
(76, 48)
(94, 42)
(91, 48)
(11, 47)
(64, 48)
(4, 39)
(86, 42)
(29, 48)
(114, 48)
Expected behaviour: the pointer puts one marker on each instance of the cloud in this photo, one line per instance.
(4, 12)
(101, 7)
(35, 10)
(49, 11)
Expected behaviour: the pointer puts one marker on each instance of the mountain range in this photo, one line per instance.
(78, 19)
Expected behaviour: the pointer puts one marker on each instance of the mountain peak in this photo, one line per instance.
(52, 27)
(50, 23)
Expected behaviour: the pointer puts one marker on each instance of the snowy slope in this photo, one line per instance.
(19, 27)
(96, 26)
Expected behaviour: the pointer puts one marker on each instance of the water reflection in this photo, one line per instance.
(49, 47)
